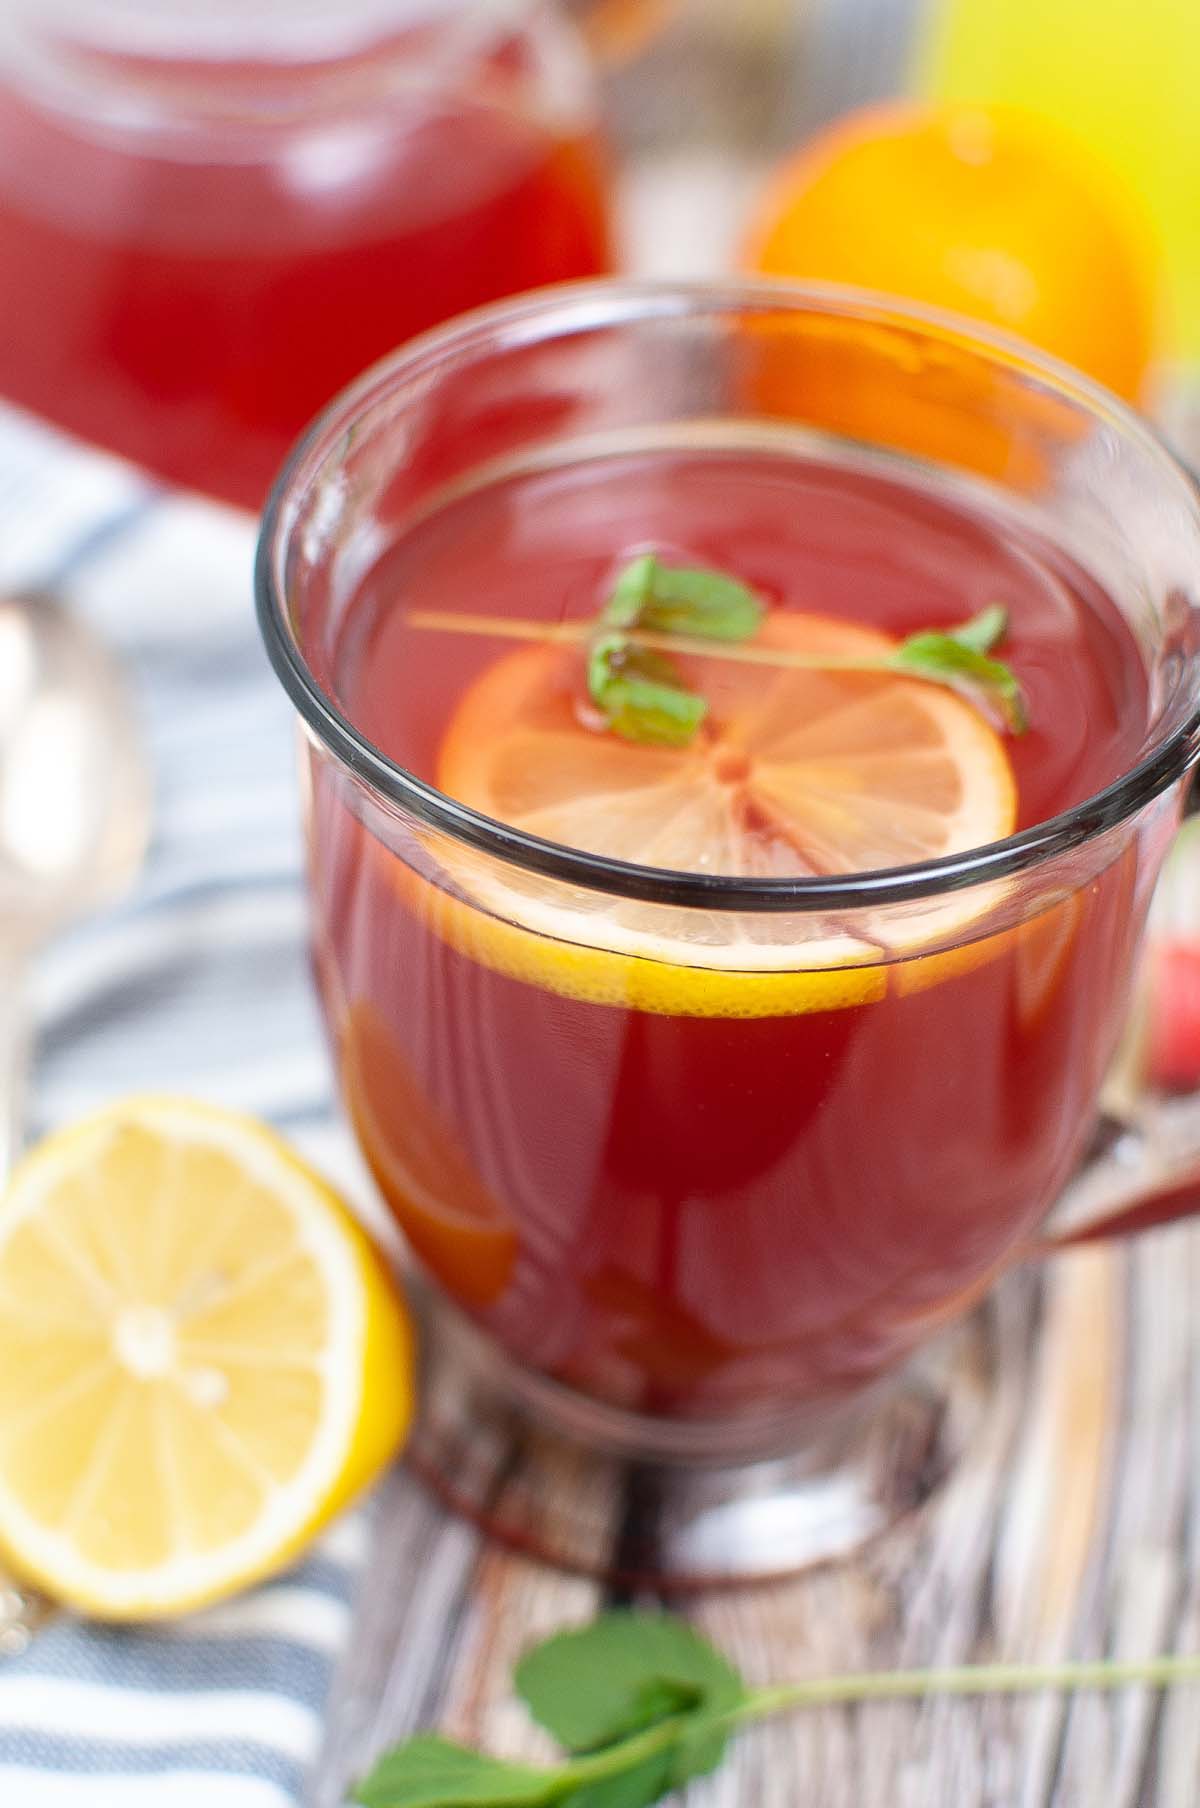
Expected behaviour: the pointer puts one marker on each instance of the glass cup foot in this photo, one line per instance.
(574, 1484)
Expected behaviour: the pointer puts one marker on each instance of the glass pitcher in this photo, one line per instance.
(212, 215)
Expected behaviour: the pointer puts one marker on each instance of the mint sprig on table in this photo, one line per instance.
(642, 1704)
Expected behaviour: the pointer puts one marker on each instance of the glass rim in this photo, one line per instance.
(569, 308)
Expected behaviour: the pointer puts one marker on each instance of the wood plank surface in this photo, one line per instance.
(1071, 1530)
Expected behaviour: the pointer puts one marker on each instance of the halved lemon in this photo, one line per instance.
(797, 772)
(201, 1359)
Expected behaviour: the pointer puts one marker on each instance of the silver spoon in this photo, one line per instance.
(74, 821)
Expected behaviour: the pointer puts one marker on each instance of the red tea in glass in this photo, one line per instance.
(212, 218)
(709, 1188)
(708, 1080)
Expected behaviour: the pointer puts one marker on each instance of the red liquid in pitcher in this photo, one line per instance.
(715, 1194)
(189, 294)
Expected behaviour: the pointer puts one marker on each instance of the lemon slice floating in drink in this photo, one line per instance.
(797, 772)
(201, 1359)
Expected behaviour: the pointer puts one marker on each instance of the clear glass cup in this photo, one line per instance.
(745, 1345)
(213, 216)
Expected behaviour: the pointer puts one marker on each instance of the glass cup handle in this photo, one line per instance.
(1146, 1200)
(1143, 1169)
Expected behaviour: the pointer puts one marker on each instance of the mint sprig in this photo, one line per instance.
(641, 693)
(642, 1703)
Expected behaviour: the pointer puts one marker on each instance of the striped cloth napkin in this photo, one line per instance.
(198, 983)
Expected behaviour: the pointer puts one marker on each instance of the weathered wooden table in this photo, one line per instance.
(1071, 1530)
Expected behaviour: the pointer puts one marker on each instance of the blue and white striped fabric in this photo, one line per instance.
(198, 983)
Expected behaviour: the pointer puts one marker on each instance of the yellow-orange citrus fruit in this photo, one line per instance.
(985, 211)
(202, 1359)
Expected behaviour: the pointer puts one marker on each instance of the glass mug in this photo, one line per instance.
(705, 1214)
(215, 213)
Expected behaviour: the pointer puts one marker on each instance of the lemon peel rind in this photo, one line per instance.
(660, 986)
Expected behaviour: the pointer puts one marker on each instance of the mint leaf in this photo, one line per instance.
(984, 631)
(613, 658)
(706, 603)
(624, 1673)
(947, 659)
(640, 1787)
(632, 593)
(429, 1772)
(677, 599)
(641, 693)
(656, 714)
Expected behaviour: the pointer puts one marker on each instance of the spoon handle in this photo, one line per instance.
(14, 1063)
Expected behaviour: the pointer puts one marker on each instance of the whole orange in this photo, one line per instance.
(984, 211)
